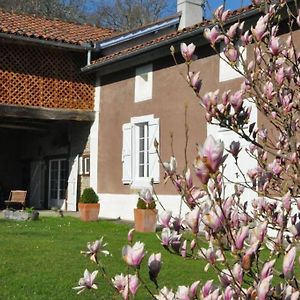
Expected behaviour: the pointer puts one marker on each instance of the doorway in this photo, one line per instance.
(58, 179)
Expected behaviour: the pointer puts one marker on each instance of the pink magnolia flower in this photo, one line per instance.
(201, 170)
(246, 38)
(170, 166)
(259, 232)
(193, 289)
(231, 54)
(240, 237)
(235, 148)
(94, 248)
(259, 31)
(126, 284)
(187, 51)
(232, 30)
(220, 14)
(130, 235)
(182, 293)
(165, 294)
(154, 264)
(274, 46)
(167, 237)
(188, 179)
(286, 201)
(267, 269)
(212, 153)
(146, 195)
(207, 288)
(279, 75)
(133, 255)
(225, 277)
(192, 219)
(229, 293)
(183, 251)
(236, 100)
(195, 81)
(211, 256)
(213, 296)
(193, 245)
(212, 34)
(87, 281)
(187, 293)
(263, 288)
(275, 167)
(269, 90)
(237, 272)
(214, 219)
(288, 263)
(165, 217)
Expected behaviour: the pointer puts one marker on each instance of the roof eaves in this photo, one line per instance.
(181, 35)
(59, 44)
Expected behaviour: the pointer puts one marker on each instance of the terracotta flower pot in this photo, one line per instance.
(89, 211)
(145, 220)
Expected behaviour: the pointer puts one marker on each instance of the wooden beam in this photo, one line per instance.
(41, 113)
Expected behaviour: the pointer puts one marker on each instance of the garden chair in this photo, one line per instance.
(16, 197)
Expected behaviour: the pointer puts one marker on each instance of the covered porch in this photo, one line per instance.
(39, 153)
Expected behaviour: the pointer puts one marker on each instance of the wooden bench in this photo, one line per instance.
(17, 197)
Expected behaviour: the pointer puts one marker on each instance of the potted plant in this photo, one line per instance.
(145, 215)
(89, 205)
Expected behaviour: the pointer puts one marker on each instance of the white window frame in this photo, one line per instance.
(226, 72)
(84, 167)
(143, 83)
(151, 158)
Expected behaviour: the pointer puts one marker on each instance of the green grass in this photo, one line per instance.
(42, 260)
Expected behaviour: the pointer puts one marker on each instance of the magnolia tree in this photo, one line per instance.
(237, 230)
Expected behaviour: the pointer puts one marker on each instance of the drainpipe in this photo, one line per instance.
(89, 57)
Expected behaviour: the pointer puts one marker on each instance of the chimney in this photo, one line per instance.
(191, 12)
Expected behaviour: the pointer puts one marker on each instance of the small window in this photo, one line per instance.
(139, 157)
(84, 165)
(143, 83)
(226, 72)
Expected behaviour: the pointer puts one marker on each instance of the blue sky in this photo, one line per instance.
(230, 4)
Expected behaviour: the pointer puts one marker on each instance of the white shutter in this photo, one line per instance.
(127, 153)
(153, 157)
(72, 184)
(80, 169)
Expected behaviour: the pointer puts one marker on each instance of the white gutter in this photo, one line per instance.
(135, 34)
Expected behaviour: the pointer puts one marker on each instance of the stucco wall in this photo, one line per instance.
(170, 95)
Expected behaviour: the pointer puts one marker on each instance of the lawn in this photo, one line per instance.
(42, 260)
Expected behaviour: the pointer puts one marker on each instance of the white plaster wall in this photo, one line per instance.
(121, 205)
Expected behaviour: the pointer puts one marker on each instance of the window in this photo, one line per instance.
(143, 83)
(143, 149)
(139, 157)
(226, 72)
(84, 165)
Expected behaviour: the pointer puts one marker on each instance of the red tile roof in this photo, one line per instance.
(51, 30)
(166, 37)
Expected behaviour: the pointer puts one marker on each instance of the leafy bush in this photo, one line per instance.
(141, 204)
(89, 196)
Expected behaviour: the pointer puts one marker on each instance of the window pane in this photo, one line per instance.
(142, 131)
(141, 171)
